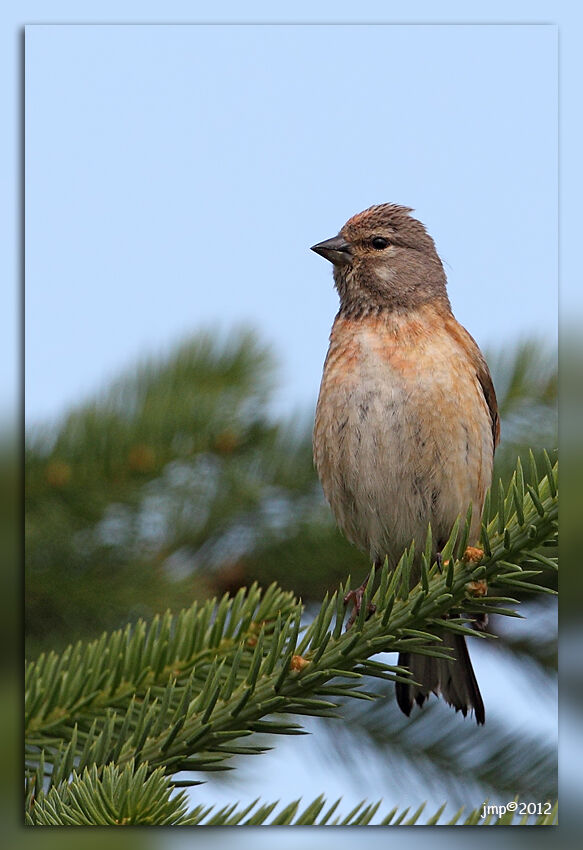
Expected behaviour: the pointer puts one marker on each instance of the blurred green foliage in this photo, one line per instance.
(137, 498)
(176, 483)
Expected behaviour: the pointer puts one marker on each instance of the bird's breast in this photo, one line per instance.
(402, 435)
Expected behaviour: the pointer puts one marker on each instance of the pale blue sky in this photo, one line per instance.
(177, 175)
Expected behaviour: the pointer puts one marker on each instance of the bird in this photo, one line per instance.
(406, 422)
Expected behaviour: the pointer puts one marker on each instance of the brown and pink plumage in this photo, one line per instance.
(406, 423)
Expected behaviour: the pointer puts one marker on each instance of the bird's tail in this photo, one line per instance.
(455, 680)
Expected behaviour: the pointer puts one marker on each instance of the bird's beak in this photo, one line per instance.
(337, 250)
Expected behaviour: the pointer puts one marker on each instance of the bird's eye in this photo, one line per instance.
(379, 242)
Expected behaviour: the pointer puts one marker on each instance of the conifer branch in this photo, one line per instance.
(132, 797)
(180, 694)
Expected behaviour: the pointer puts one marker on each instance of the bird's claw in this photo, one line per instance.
(356, 596)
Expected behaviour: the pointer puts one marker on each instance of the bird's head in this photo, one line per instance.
(384, 259)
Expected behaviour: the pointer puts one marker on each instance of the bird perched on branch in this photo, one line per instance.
(407, 420)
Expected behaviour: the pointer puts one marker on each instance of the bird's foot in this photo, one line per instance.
(356, 596)
(481, 622)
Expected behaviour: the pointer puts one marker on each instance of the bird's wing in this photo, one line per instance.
(482, 372)
(485, 380)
